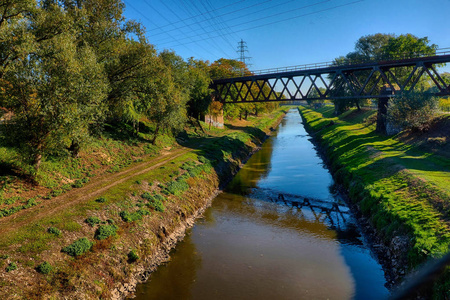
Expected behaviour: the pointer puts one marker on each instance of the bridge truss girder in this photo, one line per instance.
(339, 82)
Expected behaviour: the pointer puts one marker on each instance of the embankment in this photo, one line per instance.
(126, 226)
(400, 188)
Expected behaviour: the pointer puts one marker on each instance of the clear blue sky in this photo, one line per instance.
(283, 32)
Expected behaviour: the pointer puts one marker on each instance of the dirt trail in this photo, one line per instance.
(94, 188)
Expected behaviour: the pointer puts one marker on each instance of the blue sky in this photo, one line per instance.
(282, 33)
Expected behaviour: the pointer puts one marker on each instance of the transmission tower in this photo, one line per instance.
(242, 50)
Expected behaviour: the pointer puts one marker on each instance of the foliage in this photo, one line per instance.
(55, 231)
(135, 216)
(101, 200)
(378, 47)
(11, 267)
(79, 247)
(105, 231)
(132, 256)
(177, 187)
(44, 268)
(413, 110)
(92, 221)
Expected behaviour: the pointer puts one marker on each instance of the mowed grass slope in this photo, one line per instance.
(403, 187)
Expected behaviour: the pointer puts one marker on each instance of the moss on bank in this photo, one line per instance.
(400, 187)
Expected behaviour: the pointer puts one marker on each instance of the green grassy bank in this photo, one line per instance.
(402, 185)
(94, 240)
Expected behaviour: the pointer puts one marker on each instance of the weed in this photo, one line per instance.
(92, 221)
(11, 266)
(55, 231)
(44, 268)
(132, 256)
(177, 187)
(79, 247)
(105, 231)
(101, 200)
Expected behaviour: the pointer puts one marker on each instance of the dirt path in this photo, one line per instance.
(94, 188)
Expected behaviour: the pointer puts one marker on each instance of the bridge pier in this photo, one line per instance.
(383, 104)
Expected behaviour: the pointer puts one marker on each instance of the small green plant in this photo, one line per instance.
(44, 268)
(138, 182)
(79, 247)
(105, 231)
(131, 217)
(177, 187)
(11, 266)
(4, 256)
(100, 200)
(55, 231)
(132, 256)
(92, 221)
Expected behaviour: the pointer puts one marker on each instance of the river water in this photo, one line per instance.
(277, 232)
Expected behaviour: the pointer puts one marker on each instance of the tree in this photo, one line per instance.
(54, 91)
(378, 47)
(199, 91)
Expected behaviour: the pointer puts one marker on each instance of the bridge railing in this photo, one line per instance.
(438, 52)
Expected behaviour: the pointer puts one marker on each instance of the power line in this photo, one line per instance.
(279, 21)
(228, 13)
(274, 15)
(228, 5)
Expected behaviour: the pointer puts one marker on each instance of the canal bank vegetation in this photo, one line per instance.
(400, 183)
(97, 240)
(83, 92)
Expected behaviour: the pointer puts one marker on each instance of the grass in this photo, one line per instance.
(403, 188)
(196, 168)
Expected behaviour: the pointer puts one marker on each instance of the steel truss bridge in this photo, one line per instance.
(330, 81)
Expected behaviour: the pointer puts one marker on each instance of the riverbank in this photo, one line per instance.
(119, 231)
(398, 183)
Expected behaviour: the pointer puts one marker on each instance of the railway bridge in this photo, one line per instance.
(331, 80)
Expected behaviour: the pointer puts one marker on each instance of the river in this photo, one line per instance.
(278, 231)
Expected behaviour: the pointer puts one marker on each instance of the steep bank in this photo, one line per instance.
(132, 222)
(400, 188)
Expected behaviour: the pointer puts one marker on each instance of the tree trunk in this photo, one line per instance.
(37, 161)
(156, 134)
(200, 125)
(75, 149)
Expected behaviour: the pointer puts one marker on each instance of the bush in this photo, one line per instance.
(92, 221)
(44, 268)
(131, 217)
(177, 187)
(105, 231)
(100, 200)
(54, 231)
(78, 247)
(413, 111)
(132, 256)
(11, 266)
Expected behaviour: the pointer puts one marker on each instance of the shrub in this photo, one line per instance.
(132, 256)
(92, 221)
(177, 187)
(413, 110)
(105, 231)
(100, 200)
(78, 247)
(131, 217)
(11, 266)
(44, 268)
(54, 231)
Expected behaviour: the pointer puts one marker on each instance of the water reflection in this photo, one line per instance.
(276, 233)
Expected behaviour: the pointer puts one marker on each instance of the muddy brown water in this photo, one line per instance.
(277, 232)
